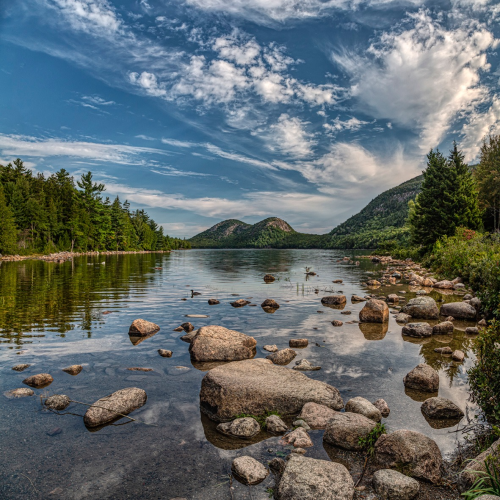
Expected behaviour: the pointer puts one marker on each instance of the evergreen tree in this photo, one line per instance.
(8, 230)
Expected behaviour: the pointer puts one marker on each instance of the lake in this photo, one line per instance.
(55, 315)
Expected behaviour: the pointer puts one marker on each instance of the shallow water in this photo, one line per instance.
(52, 316)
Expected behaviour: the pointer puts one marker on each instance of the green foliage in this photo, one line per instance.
(54, 214)
(368, 442)
(484, 376)
(487, 482)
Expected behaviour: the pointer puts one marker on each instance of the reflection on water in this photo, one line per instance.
(55, 315)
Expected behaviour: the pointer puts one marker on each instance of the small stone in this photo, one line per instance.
(449, 318)
(142, 328)
(240, 303)
(363, 407)
(213, 302)
(304, 365)
(443, 350)
(298, 438)
(298, 343)
(346, 312)
(270, 348)
(403, 318)
(270, 304)
(393, 298)
(299, 451)
(337, 281)
(277, 466)
(443, 328)
(472, 330)
(39, 380)
(246, 427)
(357, 298)
(179, 329)
(334, 300)
(482, 323)
(382, 407)
(57, 402)
(337, 322)
(282, 357)
(19, 393)
(458, 356)
(392, 485)
(248, 471)
(20, 368)
(139, 369)
(441, 408)
(187, 327)
(269, 277)
(275, 425)
(316, 415)
(422, 378)
(346, 429)
(300, 423)
(73, 369)
(165, 353)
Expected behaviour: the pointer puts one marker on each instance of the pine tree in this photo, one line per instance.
(8, 230)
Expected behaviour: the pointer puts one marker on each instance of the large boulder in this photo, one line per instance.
(441, 408)
(316, 416)
(412, 453)
(422, 308)
(334, 300)
(245, 427)
(142, 328)
(417, 330)
(216, 343)
(255, 386)
(248, 471)
(459, 310)
(374, 311)
(345, 430)
(114, 406)
(469, 474)
(422, 378)
(392, 485)
(363, 407)
(313, 479)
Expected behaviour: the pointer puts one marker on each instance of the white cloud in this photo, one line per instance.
(338, 125)
(238, 157)
(179, 144)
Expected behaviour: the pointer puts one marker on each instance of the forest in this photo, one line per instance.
(53, 214)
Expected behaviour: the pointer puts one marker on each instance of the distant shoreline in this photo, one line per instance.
(61, 257)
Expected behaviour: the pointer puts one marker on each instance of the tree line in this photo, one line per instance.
(45, 215)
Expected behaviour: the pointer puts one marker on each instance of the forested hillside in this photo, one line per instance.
(39, 214)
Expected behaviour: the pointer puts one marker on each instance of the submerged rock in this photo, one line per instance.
(164, 353)
(443, 350)
(417, 330)
(255, 386)
(422, 308)
(73, 369)
(282, 357)
(459, 310)
(316, 415)
(422, 378)
(374, 311)
(142, 328)
(440, 408)
(304, 365)
(19, 393)
(20, 368)
(382, 407)
(114, 405)
(346, 429)
(248, 471)
(39, 380)
(275, 425)
(270, 348)
(298, 343)
(246, 427)
(363, 407)
(57, 402)
(392, 485)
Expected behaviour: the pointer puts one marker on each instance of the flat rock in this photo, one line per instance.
(443, 350)
(270, 348)
(20, 368)
(57, 402)
(248, 471)
(363, 407)
(459, 310)
(19, 393)
(255, 386)
(357, 298)
(282, 357)
(299, 438)
(392, 485)
(403, 317)
(110, 407)
(142, 328)
(374, 311)
(246, 427)
(443, 328)
(39, 380)
(421, 308)
(334, 300)
(305, 366)
(196, 316)
(422, 378)
(73, 369)
(382, 407)
(240, 303)
(316, 415)
(216, 343)
(312, 479)
(165, 353)
(441, 408)
(270, 304)
(417, 455)
(417, 330)
(298, 343)
(275, 425)
(345, 430)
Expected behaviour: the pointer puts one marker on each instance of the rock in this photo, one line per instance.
(298, 343)
(363, 407)
(248, 471)
(139, 369)
(403, 318)
(270, 348)
(196, 315)
(240, 303)
(270, 304)
(374, 311)
(457, 356)
(443, 350)
(246, 427)
(114, 405)
(20, 368)
(422, 378)
(299, 451)
(313, 479)
(301, 423)
(459, 310)
(19, 393)
(346, 312)
(165, 353)
(73, 369)
(282, 357)
(277, 466)
(305, 366)
(451, 319)
(337, 322)
(275, 425)
(269, 277)
(57, 402)
(216, 343)
(441, 408)
(373, 283)
(417, 330)
(427, 282)
(476, 303)
(345, 430)
(488, 497)
(443, 328)
(393, 298)
(482, 323)
(469, 474)
(187, 327)
(445, 284)
(412, 452)
(392, 485)
(213, 302)
(472, 330)
(255, 386)
(39, 380)
(189, 336)
(422, 308)
(337, 281)
(142, 328)
(382, 407)
(357, 298)
(467, 296)
(316, 415)
(334, 300)
(298, 438)
(178, 329)
(459, 286)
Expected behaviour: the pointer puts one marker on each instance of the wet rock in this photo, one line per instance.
(246, 427)
(270, 348)
(189, 336)
(257, 385)
(346, 312)
(444, 284)
(472, 330)
(457, 356)
(334, 300)
(248, 471)
(382, 407)
(282, 357)
(298, 343)
(392, 485)
(213, 302)
(469, 474)
(363, 407)
(422, 308)
(139, 369)
(422, 378)
(178, 329)
(373, 283)
(337, 322)
(417, 330)
(459, 310)
(114, 405)
(440, 408)
(299, 451)
(275, 425)
(299, 438)
(393, 298)
(304, 365)
(443, 328)
(443, 350)
(39, 380)
(73, 369)
(165, 353)
(270, 304)
(269, 278)
(240, 303)
(216, 343)
(142, 328)
(412, 452)
(316, 415)
(277, 466)
(345, 430)
(20, 368)
(374, 311)
(482, 323)
(57, 402)
(187, 327)
(301, 423)
(337, 281)
(19, 393)
(403, 318)
(357, 298)
(450, 319)
(313, 479)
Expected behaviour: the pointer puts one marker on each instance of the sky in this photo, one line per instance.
(204, 110)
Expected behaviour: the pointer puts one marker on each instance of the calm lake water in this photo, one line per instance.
(51, 316)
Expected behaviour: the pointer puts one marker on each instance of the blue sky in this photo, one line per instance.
(203, 110)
